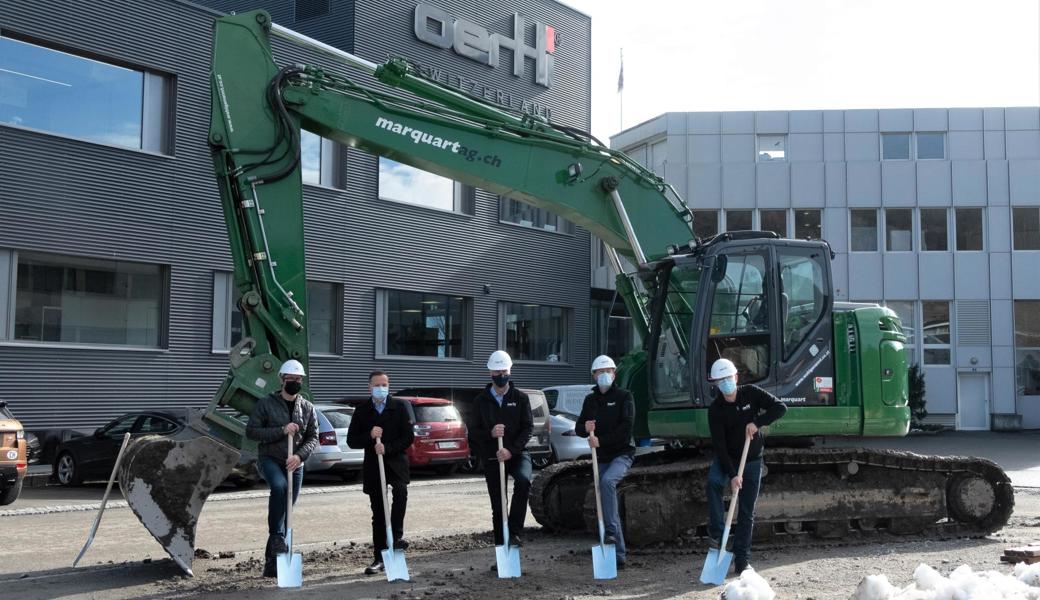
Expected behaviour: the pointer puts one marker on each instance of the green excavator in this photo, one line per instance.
(764, 302)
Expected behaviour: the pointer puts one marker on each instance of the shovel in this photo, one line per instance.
(604, 556)
(104, 501)
(508, 557)
(393, 560)
(290, 566)
(716, 565)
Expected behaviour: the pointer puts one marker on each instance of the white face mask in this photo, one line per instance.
(603, 380)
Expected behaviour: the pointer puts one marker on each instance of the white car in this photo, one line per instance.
(333, 456)
(565, 403)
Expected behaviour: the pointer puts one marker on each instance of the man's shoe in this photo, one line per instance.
(620, 564)
(514, 541)
(713, 543)
(740, 566)
(401, 544)
(270, 568)
(375, 568)
(610, 540)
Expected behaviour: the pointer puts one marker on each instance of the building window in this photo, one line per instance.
(521, 213)
(402, 183)
(739, 220)
(864, 230)
(807, 224)
(934, 236)
(969, 229)
(899, 229)
(659, 157)
(324, 308)
(774, 220)
(895, 146)
(421, 324)
(1027, 346)
(705, 223)
(317, 159)
(931, 145)
(73, 300)
(309, 9)
(1026, 220)
(62, 93)
(771, 147)
(611, 331)
(935, 332)
(535, 332)
(905, 311)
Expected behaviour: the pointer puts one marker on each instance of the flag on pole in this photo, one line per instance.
(621, 73)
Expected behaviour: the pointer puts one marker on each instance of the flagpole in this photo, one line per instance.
(621, 93)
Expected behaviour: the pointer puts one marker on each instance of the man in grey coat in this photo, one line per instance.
(276, 417)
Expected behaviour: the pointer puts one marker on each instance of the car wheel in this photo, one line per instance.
(9, 495)
(244, 483)
(66, 471)
(447, 469)
(470, 465)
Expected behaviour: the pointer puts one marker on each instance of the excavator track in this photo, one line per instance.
(806, 495)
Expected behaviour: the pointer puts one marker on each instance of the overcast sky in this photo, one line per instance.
(808, 54)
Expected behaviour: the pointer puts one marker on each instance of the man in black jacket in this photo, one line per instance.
(274, 419)
(736, 414)
(502, 411)
(389, 419)
(607, 417)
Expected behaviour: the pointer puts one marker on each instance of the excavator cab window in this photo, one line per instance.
(674, 309)
(739, 327)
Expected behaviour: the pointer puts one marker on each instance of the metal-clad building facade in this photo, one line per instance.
(74, 198)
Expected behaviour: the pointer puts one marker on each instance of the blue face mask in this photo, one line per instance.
(603, 380)
(727, 386)
(380, 392)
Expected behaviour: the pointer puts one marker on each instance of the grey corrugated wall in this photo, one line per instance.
(71, 197)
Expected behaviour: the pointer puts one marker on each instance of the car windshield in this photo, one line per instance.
(339, 419)
(432, 413)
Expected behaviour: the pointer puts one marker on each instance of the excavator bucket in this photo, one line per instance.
(166, 481)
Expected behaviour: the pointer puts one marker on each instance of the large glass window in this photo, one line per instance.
(905, 311)
(899, 230)
(934, 236)
(935, 332)
(535, 332)
(739, 326)
(807, 224)
(421, 324)
(931, 145)
(610, 328)
(969, 229)
(802, 297)
(864, 230)
(1026, 222)
(402, 183)
(318, 159)
(775, 221)
(1027, 346)
(895, 146)
(772, 147)
(87, 301)
(674, 312)
(71, 95)
(738, 220)
(705, 223)
(526, 215)
(323, 315)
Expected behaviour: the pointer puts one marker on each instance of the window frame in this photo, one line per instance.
(912, 230)
(382, 305)
(716, 212)
(982, 227)
(917, 145)
(948, 347)
(328, 158)
(877, 231)
(787, 220)
(794, 221)
(920, 227)
(1021, 350)
(568, 227)
(913, 348)
(759, 152)
(726, 212)
(1014, 231)
(909, 145)
(568, 343)
(463, 196)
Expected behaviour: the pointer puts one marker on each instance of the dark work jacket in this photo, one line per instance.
(515, 414)
(398, 434)
(728, 423)
(614, 413)
(270, 415)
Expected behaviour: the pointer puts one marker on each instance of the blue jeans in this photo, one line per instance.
(609, 475)
(273, 472)
(718, 482)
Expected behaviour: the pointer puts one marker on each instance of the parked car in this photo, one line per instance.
(565, 402)
(440, 435)
(13, 461)
(333, 456)
(462, 399)
(567, 398)
(565, 444)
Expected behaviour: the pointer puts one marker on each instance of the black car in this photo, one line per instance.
(93, 456)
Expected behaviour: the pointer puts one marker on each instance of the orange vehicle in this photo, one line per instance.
(13, 461)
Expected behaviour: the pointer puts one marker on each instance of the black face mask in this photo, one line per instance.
(500, 380)
(292, 387)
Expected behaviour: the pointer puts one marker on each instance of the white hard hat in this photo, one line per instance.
(499, 361)
(722, 368)
(603, 362)
(292, 367)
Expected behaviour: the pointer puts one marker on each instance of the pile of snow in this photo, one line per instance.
(962, 584)
(750, 586)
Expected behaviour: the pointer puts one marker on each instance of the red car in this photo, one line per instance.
(440, 435)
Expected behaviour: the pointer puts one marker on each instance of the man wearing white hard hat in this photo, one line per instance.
(503, 411)
(275, 417)
(607, 417)
(737, 413)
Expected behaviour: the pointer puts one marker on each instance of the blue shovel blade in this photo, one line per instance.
(604, 561)
(716, 566)
(508, 559)
(395, 566)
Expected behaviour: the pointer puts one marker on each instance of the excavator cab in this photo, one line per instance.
(760, 301)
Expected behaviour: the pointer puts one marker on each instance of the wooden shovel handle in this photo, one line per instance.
(740, 473)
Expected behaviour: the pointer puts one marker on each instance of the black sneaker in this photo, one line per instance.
(514, 541)
(741, 566)
(375, 568)
(620, 564)
(401, 544)
(610, 540)
(270, 568)
(713, 543)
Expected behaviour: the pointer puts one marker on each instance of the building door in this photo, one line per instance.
(973, 401)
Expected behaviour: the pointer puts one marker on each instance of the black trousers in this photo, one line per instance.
(397, 509)
(519, 467)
